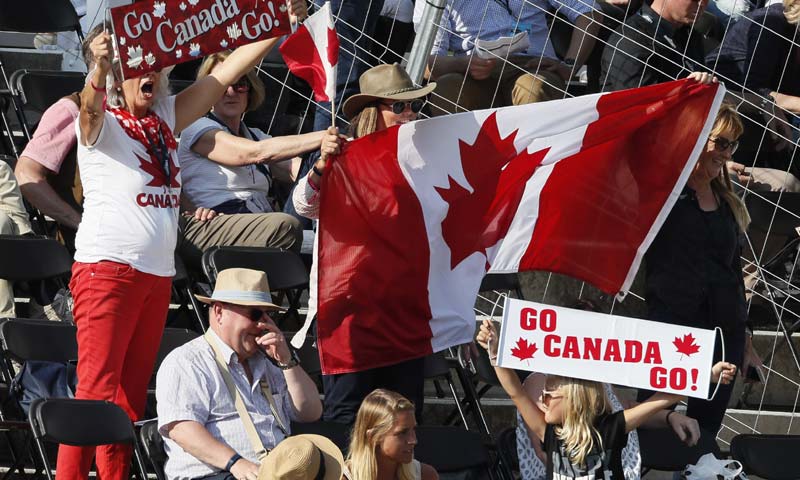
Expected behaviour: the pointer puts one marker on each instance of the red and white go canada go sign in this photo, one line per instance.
(151, 35)
(606, 348)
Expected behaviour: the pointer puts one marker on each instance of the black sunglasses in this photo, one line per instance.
(721, 144)
(241, 86)
(399, 106)
(256, 314)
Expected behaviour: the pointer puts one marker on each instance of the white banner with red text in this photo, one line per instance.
(606, 348)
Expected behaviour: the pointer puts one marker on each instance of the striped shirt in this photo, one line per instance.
(465, 21)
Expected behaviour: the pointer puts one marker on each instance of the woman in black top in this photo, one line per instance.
(693, 267)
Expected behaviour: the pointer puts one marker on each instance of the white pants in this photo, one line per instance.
(13, 221)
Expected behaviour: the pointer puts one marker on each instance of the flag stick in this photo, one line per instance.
(333, 113)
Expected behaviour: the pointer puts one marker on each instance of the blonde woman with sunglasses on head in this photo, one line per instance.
(581, 436)
(383, 440)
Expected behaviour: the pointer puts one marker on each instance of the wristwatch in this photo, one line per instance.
(568, 62)
(293, 362)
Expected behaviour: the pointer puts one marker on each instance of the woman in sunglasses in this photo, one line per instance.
(693, 267)
(227, 166)
(388, 98)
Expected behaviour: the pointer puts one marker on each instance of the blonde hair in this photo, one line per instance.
(729, 124)
(791, 10)
(365, 122)
(374, 421)
(583, 402)
(257, 93)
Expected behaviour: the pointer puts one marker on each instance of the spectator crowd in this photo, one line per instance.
(134, 177)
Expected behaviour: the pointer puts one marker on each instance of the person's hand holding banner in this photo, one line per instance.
(155, 34)
(618, 350)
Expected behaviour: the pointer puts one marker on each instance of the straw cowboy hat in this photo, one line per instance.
(388, 82)
(241, 286)
(303, 457)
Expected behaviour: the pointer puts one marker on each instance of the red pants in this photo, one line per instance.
(120, 314)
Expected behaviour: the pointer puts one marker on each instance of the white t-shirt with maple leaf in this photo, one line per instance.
(130, 209)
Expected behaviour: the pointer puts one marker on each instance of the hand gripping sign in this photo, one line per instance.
(606, 348)
(151, 35)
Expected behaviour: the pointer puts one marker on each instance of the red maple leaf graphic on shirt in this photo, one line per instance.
(686, 345)
(523, 350)
(152, 168)
(496, 173)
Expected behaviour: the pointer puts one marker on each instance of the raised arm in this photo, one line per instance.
(197, 99)
(721, 372)
(221, 147)
(533, 417)
(91, 115)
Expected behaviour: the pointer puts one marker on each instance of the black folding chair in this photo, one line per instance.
(767, 456)
(171, 339)
(338, 433)
(777, 213)
(437, 368)
(23, 340)
(285, 271)
(29, 259)
(507, 451)
(453, 452)
(81, 423)
(37, 90)
(183, 289)
(662, 450)
(32, 16)
(153, 447)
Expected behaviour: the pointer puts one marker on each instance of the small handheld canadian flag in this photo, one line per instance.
(312, 53)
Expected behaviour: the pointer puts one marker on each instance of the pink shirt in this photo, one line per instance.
(55, 135)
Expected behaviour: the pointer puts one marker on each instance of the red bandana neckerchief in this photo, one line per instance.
(149, 130)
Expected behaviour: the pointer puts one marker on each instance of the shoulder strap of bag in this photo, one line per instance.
(249, 427)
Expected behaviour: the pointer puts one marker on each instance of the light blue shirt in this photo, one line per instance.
(465, 21)
(189, 386)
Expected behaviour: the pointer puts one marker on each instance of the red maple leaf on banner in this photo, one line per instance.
(686, 345)
(150, 167)
(496, 174)
(523, 350)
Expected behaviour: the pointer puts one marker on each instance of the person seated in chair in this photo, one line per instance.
(228, 166)
(13, 221)
(243, 356)
(466, 81)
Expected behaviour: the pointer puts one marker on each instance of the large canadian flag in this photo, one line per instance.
(412, 217)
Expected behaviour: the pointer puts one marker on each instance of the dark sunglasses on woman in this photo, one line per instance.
(721, 144)
(399, 106)
(241, 86)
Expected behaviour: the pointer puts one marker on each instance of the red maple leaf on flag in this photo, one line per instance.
(686, 345)
(497, 175)
(152, 168)
(524, 350)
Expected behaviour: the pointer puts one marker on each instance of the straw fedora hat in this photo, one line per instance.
(302, 457)
(241, 286)
(389, 82)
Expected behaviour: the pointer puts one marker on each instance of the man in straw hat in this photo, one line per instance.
(227, 398)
